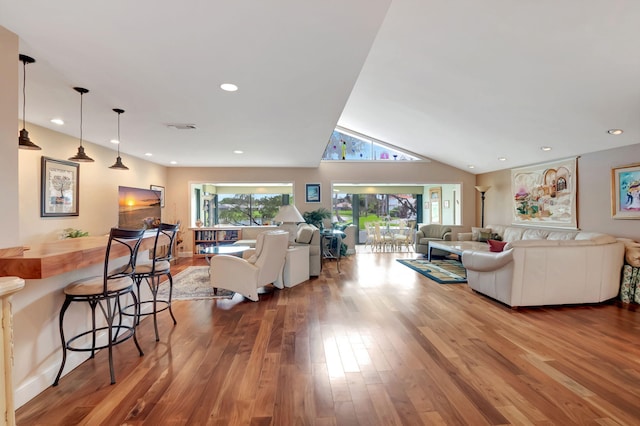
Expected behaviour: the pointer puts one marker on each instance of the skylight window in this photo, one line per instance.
(347, 145)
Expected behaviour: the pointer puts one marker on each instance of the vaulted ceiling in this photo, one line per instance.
(462, 82)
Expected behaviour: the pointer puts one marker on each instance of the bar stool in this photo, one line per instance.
(105, 291)
(152, 272)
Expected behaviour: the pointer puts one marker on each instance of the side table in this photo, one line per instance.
(296, 266)
(330, 245)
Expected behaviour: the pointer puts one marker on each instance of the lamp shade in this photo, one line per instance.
(288, 214)
(483, 188)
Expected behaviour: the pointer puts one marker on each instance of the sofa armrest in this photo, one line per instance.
(419, 234)
(465, 236)
(486, 261)
(446, 236)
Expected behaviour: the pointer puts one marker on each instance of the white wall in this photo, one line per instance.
(594, 193)
(9, 65)
(98, 186)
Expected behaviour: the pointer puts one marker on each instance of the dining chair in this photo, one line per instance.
(382, 238)
(402, 237)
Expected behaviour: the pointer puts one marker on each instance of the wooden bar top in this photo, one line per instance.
(57, 257)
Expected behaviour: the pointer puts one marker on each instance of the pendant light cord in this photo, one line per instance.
(118, 134)
(24, 93)
(81, 118)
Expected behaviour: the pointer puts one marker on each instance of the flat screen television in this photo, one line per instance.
(138, 208)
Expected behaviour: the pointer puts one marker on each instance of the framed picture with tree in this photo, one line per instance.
(60, 182)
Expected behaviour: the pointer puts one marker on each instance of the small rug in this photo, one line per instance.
(445, 271)
(193, 283)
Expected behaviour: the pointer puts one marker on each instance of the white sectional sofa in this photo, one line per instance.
(546, 267)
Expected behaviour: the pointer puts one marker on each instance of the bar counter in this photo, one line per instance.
(47, 269)
(57, 257)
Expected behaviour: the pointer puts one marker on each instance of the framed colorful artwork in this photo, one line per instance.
(545, 194)
(60, 182)
(625, 192)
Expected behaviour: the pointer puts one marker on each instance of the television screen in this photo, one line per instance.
(138, 208)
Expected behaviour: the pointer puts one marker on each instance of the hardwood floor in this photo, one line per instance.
(377, 344)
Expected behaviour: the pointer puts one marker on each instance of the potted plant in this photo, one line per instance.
(316, 217)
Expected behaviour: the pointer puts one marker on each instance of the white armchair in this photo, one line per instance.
(258, 268)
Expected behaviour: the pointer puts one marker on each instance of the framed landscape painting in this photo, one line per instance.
(160, 189)
(60, 181)
(625, 192)
(313, 193)
(545, 194)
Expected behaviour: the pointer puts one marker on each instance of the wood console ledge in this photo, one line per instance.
(57, 257)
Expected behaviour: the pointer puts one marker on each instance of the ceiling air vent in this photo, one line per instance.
(182, 126)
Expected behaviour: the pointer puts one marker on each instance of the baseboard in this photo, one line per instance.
(34, 385)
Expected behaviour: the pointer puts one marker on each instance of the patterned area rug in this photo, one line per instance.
(445, 271)
(193, 283)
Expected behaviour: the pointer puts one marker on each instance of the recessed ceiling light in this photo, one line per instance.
(229, 87)
(148, 154)
(615, 132)
(173, 162)
(238, 151)
(115, 141)
(58, 121)
(471, 166)
(545, 148)
(502, 158)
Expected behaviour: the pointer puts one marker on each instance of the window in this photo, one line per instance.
(238, 204)
(348, 145)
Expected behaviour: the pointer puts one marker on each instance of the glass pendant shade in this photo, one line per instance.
(81, 156)
(118, 164)
(23, 140)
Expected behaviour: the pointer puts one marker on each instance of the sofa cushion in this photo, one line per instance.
(496, 246)
(596, 237)
(512, 234)
(305, 233)
(535, 234)
(475, 232)
(483, 237)
(561, 235)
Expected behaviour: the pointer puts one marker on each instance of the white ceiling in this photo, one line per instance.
(462, 82)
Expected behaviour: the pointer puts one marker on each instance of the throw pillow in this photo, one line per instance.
(496, 246)
(483, 237)
(305, 233)
(475, 232)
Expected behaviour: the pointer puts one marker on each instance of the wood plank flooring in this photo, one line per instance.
(377, 344)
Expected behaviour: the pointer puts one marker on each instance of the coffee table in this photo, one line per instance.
(456, 247)
(229, 249)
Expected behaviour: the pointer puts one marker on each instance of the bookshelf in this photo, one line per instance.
(211, 237)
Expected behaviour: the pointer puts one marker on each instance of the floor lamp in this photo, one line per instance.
(482, 190)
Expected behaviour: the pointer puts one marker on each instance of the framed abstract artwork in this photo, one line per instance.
(313, 193)
(60, 182)
(625, 192)
(545, 194)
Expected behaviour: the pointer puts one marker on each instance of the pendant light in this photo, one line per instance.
(23, 140)
(118, 164)
(81, 156)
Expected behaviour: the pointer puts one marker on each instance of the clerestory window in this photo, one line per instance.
(348, 145)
